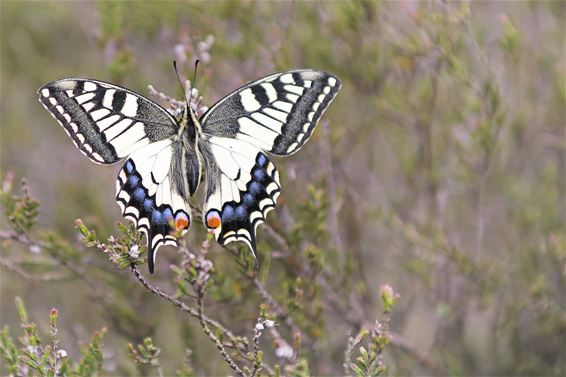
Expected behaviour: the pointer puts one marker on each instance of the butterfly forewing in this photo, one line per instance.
(106, 122)
(277, 113)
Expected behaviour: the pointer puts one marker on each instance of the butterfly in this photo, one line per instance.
(168, 155)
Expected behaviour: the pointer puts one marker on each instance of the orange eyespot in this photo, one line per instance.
(213, 220)
(182, 222)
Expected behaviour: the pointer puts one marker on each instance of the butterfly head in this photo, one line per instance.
(189, 124)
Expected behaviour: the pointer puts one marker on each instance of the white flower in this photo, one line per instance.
(259, 327)
(61, 354)
(35, 249)
(134, 251)
(269, 323)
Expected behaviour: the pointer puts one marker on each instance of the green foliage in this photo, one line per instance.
(511, 38)
(91, 363)
(369, 361)
(36, 357)
(145, 353)
(123, 251)
(22, 210)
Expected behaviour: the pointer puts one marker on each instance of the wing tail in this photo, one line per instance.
(243, 193)
(148, 198)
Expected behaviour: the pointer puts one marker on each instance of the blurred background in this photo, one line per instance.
(438, 169)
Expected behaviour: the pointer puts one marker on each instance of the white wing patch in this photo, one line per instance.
(249, 101)
(277, 113)
(106, 122)
(247, 187)
(145, 194)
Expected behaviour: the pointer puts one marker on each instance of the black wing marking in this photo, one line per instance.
(146, 193)
(106, 122)
(243, 186)
(277, 113)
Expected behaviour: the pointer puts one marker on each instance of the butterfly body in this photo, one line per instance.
(168, 156)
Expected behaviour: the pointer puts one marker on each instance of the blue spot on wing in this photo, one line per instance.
(248, 199)
(129, 167)
(261, 160)
(228, 214)
(139, 194)
(167, 214)
(255, 188)
(157, 217)
(133, 181)
(259, 175)
(148, 204)
(241, 212)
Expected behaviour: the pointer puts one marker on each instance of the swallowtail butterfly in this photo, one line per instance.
(168, 155)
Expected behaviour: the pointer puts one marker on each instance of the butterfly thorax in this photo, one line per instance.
(187, 161)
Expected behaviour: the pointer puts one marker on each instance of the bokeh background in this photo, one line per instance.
(439, 169)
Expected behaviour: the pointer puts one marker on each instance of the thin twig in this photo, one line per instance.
(257, 334)
(159, 371)
(345, 312)
(185, 308)
(277, 309)
(213, 337)
(77, 270)
(353, 317)
(35, 278)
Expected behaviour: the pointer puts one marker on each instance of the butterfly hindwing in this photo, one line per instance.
(106, 122)
(243, 186)
(277, 113)
(146, 192)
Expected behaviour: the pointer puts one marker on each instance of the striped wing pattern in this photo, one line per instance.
(147, 197)
(241, 190)
(277, 113)
(106, 122)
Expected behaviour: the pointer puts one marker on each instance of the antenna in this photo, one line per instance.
(192, 84)
(182, 87)
(194, 79)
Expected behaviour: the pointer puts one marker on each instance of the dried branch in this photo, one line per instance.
(77, 271)
(35, 278)
(258, 329)
(187, 309)
(277, 309)
(213, 337)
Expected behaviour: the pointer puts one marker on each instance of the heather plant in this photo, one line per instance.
(419, 232)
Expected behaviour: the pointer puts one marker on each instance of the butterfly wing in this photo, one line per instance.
(146, 191)
(276, 114)
(106, 122)
(242, 187)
